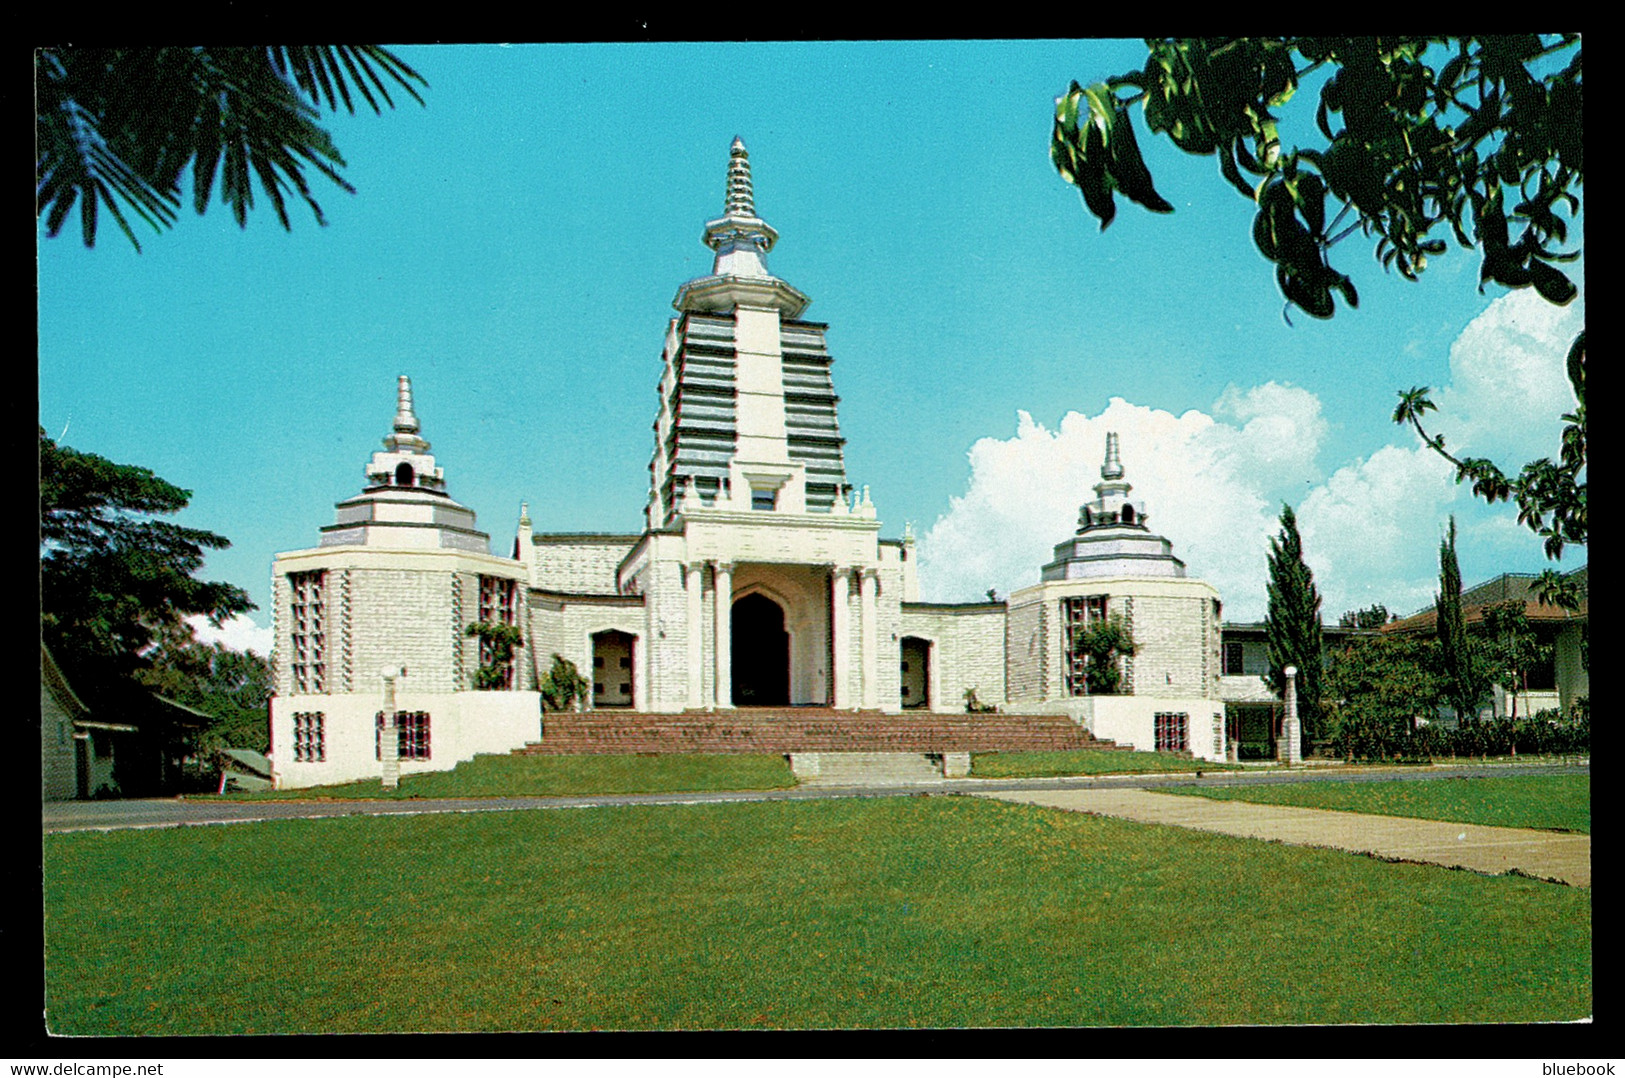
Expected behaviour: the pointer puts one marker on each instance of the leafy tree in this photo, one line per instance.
(1378, 686)
(1372, 617)
(1104, 644)
(1511, 648)
(1292, 625)
(233, 686)
(1421, 140)
(112, 579)
(121, 127)
(563, 685)
(1465, 677)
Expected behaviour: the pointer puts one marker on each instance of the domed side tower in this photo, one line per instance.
(396, 583)
(1114, 570)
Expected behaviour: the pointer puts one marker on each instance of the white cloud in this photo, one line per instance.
(240, 633)
(1214, 484)
(1208, 487)
(1371, 531)
(1508, 380)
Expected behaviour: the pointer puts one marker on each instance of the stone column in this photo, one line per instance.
(695, 576)
(870, 632)
(724, 634)
(1292, 733)
(389, 746)
(840, 592)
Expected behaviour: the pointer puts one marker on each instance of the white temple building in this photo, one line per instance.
(759, 578)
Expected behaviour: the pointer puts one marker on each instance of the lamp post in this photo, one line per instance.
(1291, 733)
(389, 746)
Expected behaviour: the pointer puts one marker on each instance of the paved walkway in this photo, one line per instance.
(1547, 855)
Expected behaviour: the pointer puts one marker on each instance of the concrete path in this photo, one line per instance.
(1547, 855)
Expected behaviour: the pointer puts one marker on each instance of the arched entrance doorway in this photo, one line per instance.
(761, 653)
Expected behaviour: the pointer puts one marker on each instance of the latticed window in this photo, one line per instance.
(309, 616)
(1173, 729)
(498, 606)
(411, 735)
(309, 737)
(1080, 611)
(1234, 657)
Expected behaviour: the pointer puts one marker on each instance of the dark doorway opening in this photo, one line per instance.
(916, 673)
(612, 669)
(761, 653)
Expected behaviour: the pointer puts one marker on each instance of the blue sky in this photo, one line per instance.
(514, 247)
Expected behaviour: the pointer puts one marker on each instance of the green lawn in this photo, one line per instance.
(560, 776)
(1008, 765)
(1554, 802)
(894, 912)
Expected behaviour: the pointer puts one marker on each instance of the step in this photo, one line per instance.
(865, 768)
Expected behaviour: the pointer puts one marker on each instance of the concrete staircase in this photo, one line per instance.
(869, 768)
(805, 730)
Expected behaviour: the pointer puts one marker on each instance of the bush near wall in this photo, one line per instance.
(1547, 733)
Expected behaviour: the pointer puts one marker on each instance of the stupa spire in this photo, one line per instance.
(404, 437)
(741, 200)
(1113, 468)
(741, 240)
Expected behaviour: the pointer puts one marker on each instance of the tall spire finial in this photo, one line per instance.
(406, 420)
(404, 436)
(741, 200)
(1113, 468)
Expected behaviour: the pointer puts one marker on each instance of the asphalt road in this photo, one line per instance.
(62, 816)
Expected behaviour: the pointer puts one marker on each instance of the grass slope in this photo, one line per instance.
(1553, 802)
(1007, 765)
(897, 912)
(561, 776)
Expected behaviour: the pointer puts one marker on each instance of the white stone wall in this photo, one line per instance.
(461, 725)
(967, 652)
(666, 592)
(404, 617)
(566, 628)
(1130, 721)
(1026, 646)
(1176, 655)
(579, 565)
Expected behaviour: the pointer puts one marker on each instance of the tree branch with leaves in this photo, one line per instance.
(1422, 140)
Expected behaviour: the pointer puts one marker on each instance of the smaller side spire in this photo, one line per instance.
(1113, 468)
(404, 438)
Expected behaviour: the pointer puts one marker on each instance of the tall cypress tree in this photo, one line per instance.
(1293, 623)
(1464, 676)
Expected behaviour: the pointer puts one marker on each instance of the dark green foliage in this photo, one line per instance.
(1292, 625)
(1379, 686)
(1372, 617)
(499, 642)
(1461, 660)
(563, 685)
(1511, 648)
(1548, 733)
(120, 127)
(232, 686)
(1422, 141)
(1105, 643)
(113, 580)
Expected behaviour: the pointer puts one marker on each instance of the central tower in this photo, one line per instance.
(747, 406)
(766, 582)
